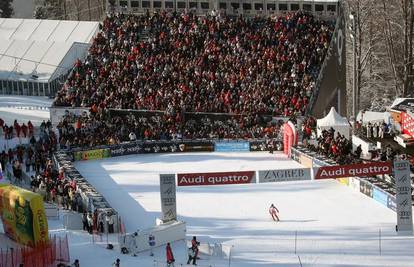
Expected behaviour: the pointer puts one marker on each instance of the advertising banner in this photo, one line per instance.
(242, 146)
(391, 203)
(126, 149)
(217, 178)
(403, 196)
(361, 170)
(319, 163)
(380, 196)
(365, 188)
(354, 183)
(344, 181)
(168, 197)
(160, 147)
(260, 145)
(202, 146)
(23, 215)
(284, 175)
(92, 154)
(305, 160)
(294, 154)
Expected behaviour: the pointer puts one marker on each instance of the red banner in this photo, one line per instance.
(362, 170)
(216, 178)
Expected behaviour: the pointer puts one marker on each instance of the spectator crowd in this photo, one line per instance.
(16, 130)
(102, 128)
(180, 62)
(34, 159)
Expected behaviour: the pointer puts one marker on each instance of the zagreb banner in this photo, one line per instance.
(360, 170)
(284, 175)
(216, 178)
(23, 215)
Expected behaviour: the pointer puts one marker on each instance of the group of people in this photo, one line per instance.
(192, 253)
(174, 62)
(376, 130)
(16, 130)
(97, 222)
(336, 146)
(104, 128)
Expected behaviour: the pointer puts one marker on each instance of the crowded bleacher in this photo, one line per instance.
(180, 63)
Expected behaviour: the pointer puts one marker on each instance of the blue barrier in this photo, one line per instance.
(380, 196)
(232, 146)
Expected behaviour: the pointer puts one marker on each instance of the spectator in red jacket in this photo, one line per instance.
(170, 255)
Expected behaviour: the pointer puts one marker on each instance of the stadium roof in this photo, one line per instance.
(38, 47)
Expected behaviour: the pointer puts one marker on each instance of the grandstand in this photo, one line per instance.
(37, 55)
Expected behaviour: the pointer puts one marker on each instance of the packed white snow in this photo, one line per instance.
(331, 223)
(24, 108)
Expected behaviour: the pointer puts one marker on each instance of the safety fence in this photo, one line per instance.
(373, 187)
(54, 252)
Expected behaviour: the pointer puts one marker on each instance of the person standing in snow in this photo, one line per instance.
(170, 256)
(191, 256)
(117, 263)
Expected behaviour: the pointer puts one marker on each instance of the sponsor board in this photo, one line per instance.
(403, 196)
(23, 215)
(217, 178)
(305, 160)
(294, 154)
(344, 181)
(284, 175)
(260, 145)
(380, 196)
(160, 147)
(242, 146)
(354, 183)
(391, 203)
(92, 154)
(126, 149)
(168, 197)
(196, 147)
(57, 113)
(365, 188)
(366, 169)
(319, 163)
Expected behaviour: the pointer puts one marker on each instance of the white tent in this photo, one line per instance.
(334, 120)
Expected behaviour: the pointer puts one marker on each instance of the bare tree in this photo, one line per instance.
(383, 32)
(398, 23)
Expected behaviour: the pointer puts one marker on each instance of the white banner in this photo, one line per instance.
(57, 113)
(403, 196)
(284, 175)
(168, 197)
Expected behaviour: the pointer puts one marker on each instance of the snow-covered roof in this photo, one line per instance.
(403, 104)
(333, 119)
(29, 46)
(372, 116)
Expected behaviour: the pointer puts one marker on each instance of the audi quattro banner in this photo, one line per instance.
(216, 178)
(284, 175)
(362, 170)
